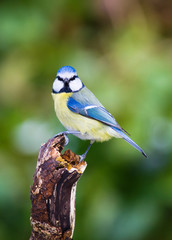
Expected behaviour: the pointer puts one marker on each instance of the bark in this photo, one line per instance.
(54, 190)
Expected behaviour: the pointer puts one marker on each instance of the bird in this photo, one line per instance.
(81, 113)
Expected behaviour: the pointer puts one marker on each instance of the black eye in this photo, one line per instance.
(72, 78)
(59, 78)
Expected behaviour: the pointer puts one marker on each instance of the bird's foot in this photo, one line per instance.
(65, 133)
(66, 138)
(82, 157)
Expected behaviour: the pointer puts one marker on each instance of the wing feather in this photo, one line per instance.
(98, 113)
(86, 104)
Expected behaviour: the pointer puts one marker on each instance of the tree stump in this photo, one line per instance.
(54, 190)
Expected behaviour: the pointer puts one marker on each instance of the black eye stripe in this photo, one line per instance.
(72, 78)
(59, 78)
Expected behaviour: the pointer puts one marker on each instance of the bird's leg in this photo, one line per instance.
(65, 133)
(83, 156)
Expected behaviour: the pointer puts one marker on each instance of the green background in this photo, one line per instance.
(122, 51)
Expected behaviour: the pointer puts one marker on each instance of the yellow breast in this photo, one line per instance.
(91, 128)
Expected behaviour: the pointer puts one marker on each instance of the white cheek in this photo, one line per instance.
(57, 85)
(75, 85)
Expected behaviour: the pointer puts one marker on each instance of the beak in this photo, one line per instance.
(66, 80)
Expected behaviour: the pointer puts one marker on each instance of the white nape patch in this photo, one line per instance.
(66, 75)
(58, 85)
(75, 85)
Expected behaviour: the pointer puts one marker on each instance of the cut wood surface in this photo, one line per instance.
(54, 190)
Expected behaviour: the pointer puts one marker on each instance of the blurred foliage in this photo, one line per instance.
(122, 51)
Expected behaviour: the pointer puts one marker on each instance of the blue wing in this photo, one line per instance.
(98, 113)
(85, 103)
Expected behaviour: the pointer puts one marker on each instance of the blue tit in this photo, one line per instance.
(81, 113)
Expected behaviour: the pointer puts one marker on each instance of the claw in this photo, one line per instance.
(82, 157)
(65, 133)
(66, 140)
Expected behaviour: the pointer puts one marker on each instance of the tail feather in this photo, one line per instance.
(130, 141)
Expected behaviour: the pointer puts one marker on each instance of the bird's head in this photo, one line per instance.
(67, 80)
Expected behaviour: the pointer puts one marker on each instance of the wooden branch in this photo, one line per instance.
(53, 191)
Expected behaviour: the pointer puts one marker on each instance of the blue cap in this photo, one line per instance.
(66, 69)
